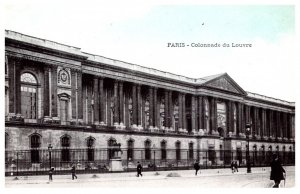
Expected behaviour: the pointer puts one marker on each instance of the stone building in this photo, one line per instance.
(57, 94)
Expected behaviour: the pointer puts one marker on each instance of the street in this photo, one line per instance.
(210, 178)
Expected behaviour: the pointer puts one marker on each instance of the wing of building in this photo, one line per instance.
(83, 105)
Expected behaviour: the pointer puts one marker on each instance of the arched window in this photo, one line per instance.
(178, 150)
(90, 151)
(263, 154)
(35, 142)
(191, 150)
(28, 96)
(65, 152)
(130, 146)
(163, 146)
(255, 154)
(147, 150)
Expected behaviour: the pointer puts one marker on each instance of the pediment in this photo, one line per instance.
(226, 83)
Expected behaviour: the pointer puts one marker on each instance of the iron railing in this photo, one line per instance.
(37, 161)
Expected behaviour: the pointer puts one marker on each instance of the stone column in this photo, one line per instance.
(166, 109)
(155, 110)
(96, 102)
(201, 112)
(171, 108)
(73, 96)
(272, 126)
(193, 108)
(46, 92)
(54, 93)
(139, 105)
(79, 97)
(121, 106)
(243, 123)
(134, 106)
(183, 113)
(127, 122)
(228, 117)
(116, 104)
(151, 107)
(180, 111)
(18, 87)
(288, 130)
(102, 101)
(109, 102)
(12, 86)
(158, 111)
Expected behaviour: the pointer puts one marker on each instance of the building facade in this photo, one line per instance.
(56, 94)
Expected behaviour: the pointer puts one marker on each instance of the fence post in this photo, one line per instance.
(224, 158)
(206, 159)
(17, 163)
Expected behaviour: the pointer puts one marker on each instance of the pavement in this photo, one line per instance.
(206, 178)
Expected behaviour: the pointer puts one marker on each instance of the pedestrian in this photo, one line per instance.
(73, 171)
(51, 173)
(236, 166)
(232, 167)
(276, 171)
(196, 167)
(139, 169)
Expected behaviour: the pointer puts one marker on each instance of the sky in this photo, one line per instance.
(139, 34)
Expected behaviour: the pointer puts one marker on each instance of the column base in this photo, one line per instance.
(80, 121)
(101, 123)
(122, 126)
(140, 128)
(96, 123)
(134, 127)
(55, 120)
(201, 132)
(15, 117)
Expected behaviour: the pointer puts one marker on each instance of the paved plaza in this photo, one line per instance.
(208, 178)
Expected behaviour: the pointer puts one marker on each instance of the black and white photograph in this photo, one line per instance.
(129, 94)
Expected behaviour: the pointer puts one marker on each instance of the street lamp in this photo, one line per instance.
(50, 149)
(154, 157)
(248, 132)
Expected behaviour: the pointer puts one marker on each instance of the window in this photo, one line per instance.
(147, 112)
(130, 147)
(28, 96)
(147, 150)
(163, 150)
(221, 153)
(90, 150)
(65, 152)
(35, 143)
(178, 150)
(191, 150)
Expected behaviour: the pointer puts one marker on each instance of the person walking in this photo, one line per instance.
(232, 167)
(277, 171)
(51, 173)
(73, 171)
(196, 167)
(139, 169)
(236, 166)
